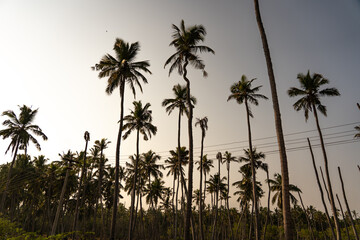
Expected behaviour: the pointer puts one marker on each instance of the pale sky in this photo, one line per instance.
(48, 47)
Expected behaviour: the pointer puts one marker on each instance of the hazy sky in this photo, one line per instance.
(48, 47)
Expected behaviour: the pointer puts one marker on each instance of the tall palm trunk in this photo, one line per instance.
(173, 205)
(179, 159)
(3, 199)
(117, 163)
(200, 188)
(268, 205)
(191, 160)
(332, 202)
(256, 223)
(81, 191)
(227, 202)
(204, 187)
(176, 206)
(347, 206)
(344, 218)
(98, 196)
(321, 191)
(288, 230)
(216, 200)
(56, 220)
(131, 222)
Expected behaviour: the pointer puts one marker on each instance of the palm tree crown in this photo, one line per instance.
(19, 128)
(179, 100)
(122, 68)
(242, 91)
(140, 119)
(275, 186)
(185, 41)
(311, 93)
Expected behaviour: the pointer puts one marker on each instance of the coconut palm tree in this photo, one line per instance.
(69, 158)
(245, 187)
(120, 70)
(150, 168)
(155, 191)
(139, 120)
(180, 102)
(288, 229)
(310, 94)
(81, 187)
(207, 165)
(275, 186)
(186, 42)
(101, 145)
(228, 158)
(175, 166)
(202, 122)
(243, 92)
(20, 130)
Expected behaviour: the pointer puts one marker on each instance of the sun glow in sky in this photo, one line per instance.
(47, 49)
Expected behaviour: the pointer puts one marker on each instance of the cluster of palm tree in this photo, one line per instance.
(82, 193)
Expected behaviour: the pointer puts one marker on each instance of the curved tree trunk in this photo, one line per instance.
(347, 206)
(256, 225)
(191, 160)
(288, 229)
(131, 222)
(332, 202)
(3, 199)
(117, 164)
(321, 191)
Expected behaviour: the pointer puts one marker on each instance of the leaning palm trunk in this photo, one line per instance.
(117, 164)
(3, 199)
(256, 222)
(191, 162)
(347, 206)
(332, 202)
(280, 137)
(321, 191)
(343, 216)
(131, 222)
(56, 220)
